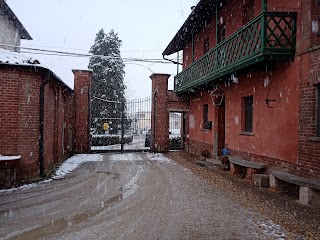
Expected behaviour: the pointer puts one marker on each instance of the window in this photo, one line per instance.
(248, 12)
(318, 110)
(206, 124)
(247, 113)
(206, 46)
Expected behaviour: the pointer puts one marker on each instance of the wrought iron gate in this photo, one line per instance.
(127, 129)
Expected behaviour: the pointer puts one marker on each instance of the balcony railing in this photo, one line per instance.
(270, 36)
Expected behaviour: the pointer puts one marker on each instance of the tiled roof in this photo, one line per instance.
(9, 57)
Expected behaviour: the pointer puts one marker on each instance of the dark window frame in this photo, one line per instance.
(206, 123)
(247, 114)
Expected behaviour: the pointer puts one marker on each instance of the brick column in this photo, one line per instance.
(82, 98)
(160, 113)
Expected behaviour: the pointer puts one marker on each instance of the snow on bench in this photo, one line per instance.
(306, 185)
(239, 166)
(8, 170)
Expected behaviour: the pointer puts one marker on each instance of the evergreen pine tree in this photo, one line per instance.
(108, 81)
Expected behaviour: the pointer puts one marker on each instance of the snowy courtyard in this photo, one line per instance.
(127, 196)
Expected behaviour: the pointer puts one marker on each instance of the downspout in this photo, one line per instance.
(217, 22)
(177, 64)
(41, 119)
(192, 46)
(264, 5)
(163, 56)
(154, 122)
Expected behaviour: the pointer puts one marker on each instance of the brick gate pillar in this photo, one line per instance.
(159, 113)
(82, 109)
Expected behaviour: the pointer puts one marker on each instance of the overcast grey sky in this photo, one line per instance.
(144, 26)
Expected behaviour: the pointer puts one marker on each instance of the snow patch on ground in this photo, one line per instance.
(74, 162)
(271, 230)
(132, 186)
(158, 157)
(66, 167)
(125, 157)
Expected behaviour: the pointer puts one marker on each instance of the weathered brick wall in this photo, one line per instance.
(309, 146)
(160, 122)
(19, 118)
(28, 122)
(82, 98)
(200, 148)
(50, 124)
(9, 107)
(308, 164)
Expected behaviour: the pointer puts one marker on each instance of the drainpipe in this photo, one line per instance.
(177, 61)
(41, 119)
(217, 22)
(264, 5)
(154, 122)
(163, 56)
(264, 25)
(192, 46)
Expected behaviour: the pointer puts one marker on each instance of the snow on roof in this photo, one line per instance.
(15, 58)
(9, 57)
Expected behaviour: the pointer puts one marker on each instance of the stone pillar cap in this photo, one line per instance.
(159, 74)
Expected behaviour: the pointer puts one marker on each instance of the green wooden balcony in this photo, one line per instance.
(271, 36)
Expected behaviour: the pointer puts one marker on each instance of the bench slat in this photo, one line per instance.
(294, 179)
(239, 161)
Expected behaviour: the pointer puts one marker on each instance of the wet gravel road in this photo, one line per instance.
(128, 196)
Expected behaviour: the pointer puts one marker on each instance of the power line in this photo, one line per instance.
(74, 54)
(82, 49)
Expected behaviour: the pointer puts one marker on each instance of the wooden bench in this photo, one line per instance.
(239, 165)
(306, 185)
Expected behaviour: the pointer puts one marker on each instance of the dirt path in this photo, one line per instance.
(129, 196)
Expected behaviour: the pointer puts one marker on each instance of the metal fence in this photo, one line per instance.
(128, 128)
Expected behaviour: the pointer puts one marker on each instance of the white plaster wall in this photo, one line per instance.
(9, 33)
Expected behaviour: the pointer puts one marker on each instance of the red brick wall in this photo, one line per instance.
(9, 107)
(28, 122)
(19, 118)
(199, 148)
(160, 122)
(57, 119)
(309, 147)
(82, 98)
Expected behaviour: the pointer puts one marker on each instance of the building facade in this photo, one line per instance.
(41, 118)
(12, 30)
(250, 80)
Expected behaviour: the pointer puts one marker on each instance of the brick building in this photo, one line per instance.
(41, 118)
(250, 80)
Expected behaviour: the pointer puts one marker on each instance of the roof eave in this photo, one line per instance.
(58, 79)
(23, 32)
(183, 35)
